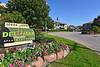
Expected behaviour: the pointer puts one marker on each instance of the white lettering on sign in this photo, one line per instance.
(16, 25)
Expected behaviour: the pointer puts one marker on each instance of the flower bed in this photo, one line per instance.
(39, 56)
(60, 54)
(37, 63)
(50, 58)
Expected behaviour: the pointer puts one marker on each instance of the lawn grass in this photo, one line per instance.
(63, 30)
(80, 56)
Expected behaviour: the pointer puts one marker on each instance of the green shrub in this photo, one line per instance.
(96, 29)
(62, 30)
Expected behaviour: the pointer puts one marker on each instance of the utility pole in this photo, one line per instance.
(45, 26)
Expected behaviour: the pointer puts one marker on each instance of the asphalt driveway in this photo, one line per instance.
(90, 41)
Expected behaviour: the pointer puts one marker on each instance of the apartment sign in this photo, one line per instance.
(16, 34)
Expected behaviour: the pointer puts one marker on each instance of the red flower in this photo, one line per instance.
(11, 65)
(45, 51)
(20, 65)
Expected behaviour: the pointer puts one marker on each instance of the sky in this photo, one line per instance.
(75, 12)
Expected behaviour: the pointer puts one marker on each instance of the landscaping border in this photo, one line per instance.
(50, 58)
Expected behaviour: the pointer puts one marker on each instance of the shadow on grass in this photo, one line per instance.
(66, 64)
(76, 46)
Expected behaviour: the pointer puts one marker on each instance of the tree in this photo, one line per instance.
(96, 29)
(96, 21)
(34, 11)
(81, 28)
(2, 9)
(50, 23)
(14, 17)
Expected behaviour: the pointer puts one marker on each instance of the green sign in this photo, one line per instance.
(16, 34)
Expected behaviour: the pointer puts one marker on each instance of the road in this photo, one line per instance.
(90, 41)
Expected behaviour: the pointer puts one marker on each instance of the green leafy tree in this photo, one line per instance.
(34, 11)
(96, 21)
(96, 29)
(50, 23)
(14, 17)
(2, 9)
